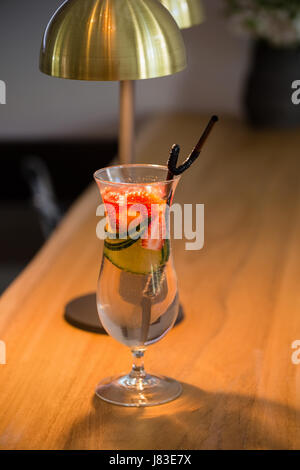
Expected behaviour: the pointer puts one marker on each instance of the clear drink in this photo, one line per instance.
(137, 309)
(137, 297)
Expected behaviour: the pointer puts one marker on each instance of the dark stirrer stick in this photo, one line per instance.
(146, 302)
(172, 162)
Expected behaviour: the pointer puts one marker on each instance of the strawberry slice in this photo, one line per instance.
(155, 236)
(119, 201)
(154, 245)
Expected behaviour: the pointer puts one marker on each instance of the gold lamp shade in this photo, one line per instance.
(112, 40)
(186, 13)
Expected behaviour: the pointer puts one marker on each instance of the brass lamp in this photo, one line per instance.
(186, 13)
(122, 40)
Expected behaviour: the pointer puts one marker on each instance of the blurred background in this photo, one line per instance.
(54, 133)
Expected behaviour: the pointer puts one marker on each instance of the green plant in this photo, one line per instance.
(276, 21)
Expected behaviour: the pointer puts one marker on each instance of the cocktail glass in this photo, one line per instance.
(137, 297)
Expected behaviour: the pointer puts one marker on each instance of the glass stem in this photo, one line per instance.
(138, 371)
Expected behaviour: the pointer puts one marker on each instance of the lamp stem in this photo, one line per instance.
(127, 127)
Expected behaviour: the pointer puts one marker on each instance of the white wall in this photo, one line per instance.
(39, 106)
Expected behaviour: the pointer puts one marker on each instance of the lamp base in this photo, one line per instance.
(81, 312)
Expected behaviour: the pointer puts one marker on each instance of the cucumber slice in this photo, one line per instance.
(120, 243)
(116, 238)
(136, 259)
(116, 245)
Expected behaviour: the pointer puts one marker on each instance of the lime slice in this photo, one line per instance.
(136, 259)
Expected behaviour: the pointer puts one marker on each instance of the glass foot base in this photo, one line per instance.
(128, 390)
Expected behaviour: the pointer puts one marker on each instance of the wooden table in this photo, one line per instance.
(240, 295)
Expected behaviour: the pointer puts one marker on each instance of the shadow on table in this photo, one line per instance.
(196, 420)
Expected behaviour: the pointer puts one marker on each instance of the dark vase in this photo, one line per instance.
(268, 94)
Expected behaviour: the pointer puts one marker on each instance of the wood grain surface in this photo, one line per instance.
(241, 300)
